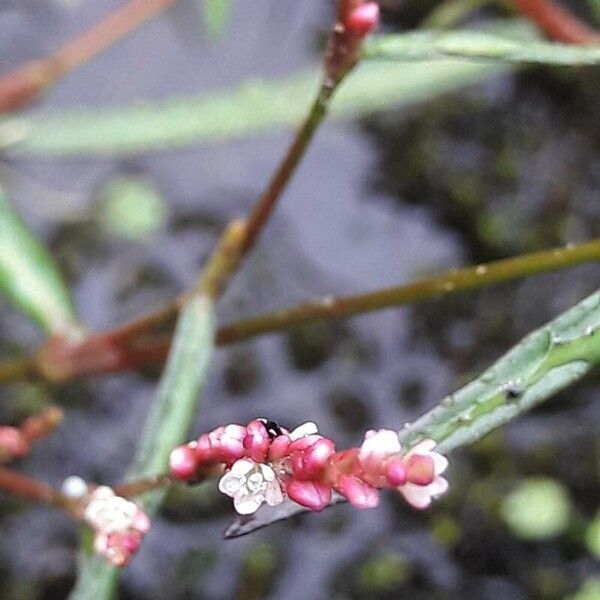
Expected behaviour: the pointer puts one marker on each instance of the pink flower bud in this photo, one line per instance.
(395, 472)
(364, 19)
(131, 541)
(141, 522)
(316, 457)
(312, 494)
(12, 443)
(204, 451)
(232, 444)
(256, 441)
(304, 442)
(420, 469)
(279, 448)
(358, 493)
(183, 463)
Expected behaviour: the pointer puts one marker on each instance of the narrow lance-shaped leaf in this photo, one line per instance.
(167, 425)
(28, 275)
(542, 364)
(256, 107)
(477, 45)
(545, 362)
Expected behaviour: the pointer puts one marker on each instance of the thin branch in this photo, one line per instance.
(22, 86)
(450, 282)
(31, 489)
(149, 351)
(558, 23)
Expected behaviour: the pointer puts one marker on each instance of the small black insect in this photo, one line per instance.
(273, 428)
(513, 392)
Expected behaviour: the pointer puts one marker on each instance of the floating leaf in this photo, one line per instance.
(28, 275)
(215, 15)
(167, 425)
(477, 45)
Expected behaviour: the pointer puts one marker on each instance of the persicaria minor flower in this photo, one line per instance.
(424, 468)
(119, 525)
(263, 462)
(250, 484)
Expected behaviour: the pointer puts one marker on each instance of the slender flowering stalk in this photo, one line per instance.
(263, 463)
(16, 442)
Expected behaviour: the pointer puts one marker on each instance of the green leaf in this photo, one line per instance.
(176, 401)
(476, 45)
(28, 275)
(215, 15)
(256, 107)
(542, 364)
(167, 426)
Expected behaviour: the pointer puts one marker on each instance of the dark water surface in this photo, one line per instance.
(511, 166)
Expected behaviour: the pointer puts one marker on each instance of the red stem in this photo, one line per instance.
(558, 23)
(22, 86)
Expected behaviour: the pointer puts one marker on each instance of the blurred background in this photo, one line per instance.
(508, 165)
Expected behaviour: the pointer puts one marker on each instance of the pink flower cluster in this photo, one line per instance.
(263, 462)
(119, 525)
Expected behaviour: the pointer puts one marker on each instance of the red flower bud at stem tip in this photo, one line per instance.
(183, 463)
(364, 19)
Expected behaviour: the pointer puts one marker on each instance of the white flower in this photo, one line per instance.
(109, 513)
(303, 430)
(250, 484)
(377, 447)
(420, 496)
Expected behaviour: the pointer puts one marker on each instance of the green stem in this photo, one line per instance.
(449, 282)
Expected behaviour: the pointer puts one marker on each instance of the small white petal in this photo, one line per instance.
(424, 447)
(242, 466)
(415, 495)
(103, 492)
(229, 484)
(255, 482)
(273, 494)
(246, 504)
(437, 487)
(267, 472)
(440, 462)
(379, 445)
(303, 430)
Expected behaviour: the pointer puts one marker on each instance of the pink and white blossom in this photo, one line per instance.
(119, 525)
(250, 484)
(423, 475)
(376, 449)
